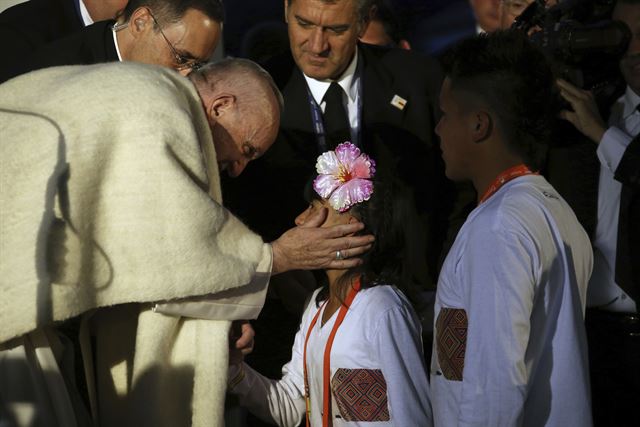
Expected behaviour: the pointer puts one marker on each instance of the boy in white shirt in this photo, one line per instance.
(510, 346)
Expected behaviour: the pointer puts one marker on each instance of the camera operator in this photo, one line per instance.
(613, 322)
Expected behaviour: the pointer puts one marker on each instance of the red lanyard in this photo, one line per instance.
(505, 177)
(326, 369)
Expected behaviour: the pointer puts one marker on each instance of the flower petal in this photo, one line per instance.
(350, 193)
(347, 153)
(362, 167)
(325, 184)
(328, 163)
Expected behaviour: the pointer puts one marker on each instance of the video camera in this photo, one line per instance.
(582, 42)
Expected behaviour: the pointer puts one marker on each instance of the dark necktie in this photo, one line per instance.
(336, 122)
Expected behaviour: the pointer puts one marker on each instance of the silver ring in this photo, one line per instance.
(339, 255)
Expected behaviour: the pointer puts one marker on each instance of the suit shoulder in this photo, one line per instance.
(399, 58)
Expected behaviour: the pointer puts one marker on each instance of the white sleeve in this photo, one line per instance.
(399, 349)
(241, 303)
(612, 148)
(276, 401)
(499, 286)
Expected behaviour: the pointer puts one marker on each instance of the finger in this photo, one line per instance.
(569, 97)
(344, 264)
(568, 87)
(244, 341)
(246, 338)
(576, 93)
(355, 242)
(317, 219)
(354, 252)
(343, 230)
(569, 116)
(352, 242)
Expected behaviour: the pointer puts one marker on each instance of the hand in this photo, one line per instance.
(310, 247)
(240, 341)
(585, 115)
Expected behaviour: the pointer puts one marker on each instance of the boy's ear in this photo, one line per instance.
(483, 126)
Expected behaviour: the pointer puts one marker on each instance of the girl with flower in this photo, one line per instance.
(357, 357)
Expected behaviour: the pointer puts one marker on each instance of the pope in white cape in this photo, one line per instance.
(110, 194)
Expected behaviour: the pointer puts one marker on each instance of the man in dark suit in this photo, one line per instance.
(27, 26)
(177, 34)
(388, 99)
(613, 299)
(389, 96)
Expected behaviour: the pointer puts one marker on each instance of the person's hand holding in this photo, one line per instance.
(309, 246)
(585, 115)
(240, 341)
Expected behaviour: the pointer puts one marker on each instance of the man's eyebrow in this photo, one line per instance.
(337, 27)
(303, 20)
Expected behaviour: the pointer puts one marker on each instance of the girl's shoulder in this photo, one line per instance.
(383, 297)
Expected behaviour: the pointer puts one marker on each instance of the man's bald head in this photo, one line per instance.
(243, 106)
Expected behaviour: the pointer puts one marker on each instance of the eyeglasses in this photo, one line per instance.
(515, 7)
(182, 62)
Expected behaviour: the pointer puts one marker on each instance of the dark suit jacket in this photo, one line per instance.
(269, 194)
(27, 26)
(628, 248)
(90, 45)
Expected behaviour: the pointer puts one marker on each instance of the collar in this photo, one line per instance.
(630, 100)
(115, 41)
(319, 87)
(84, 14)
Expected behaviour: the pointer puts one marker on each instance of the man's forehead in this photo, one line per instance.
(341, 9)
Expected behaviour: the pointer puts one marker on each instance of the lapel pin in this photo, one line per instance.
(398, 102)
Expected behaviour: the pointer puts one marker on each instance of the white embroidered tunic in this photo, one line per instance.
(377, 368)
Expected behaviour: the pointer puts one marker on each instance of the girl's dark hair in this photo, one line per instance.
(390, 216)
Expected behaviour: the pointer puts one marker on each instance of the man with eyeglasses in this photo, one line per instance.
(180, 34)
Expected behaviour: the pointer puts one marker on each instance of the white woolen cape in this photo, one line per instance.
(110, 194)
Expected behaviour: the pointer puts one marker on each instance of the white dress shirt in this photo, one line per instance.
(625, 123)
(84, 13)
(350, 83)
(115, 42)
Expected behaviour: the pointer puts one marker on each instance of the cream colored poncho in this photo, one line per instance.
(109, 194)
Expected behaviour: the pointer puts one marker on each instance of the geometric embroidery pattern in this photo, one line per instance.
(451, 342)
(361, 394)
